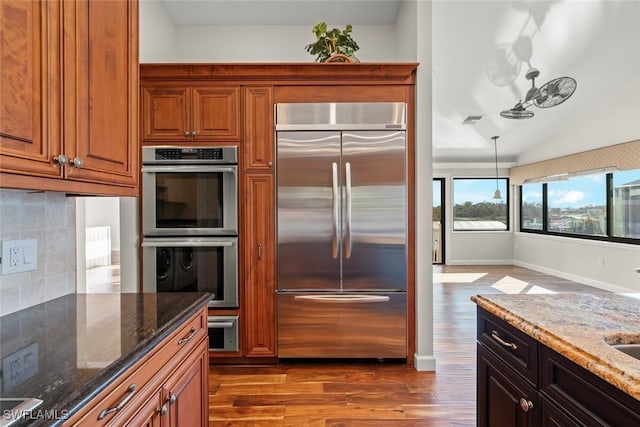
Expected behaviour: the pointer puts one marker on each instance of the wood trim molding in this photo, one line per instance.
(289, 73)
(623, 156)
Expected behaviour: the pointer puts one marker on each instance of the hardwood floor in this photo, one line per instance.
(371, 393)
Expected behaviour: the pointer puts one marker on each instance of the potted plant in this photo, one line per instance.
(333, 45)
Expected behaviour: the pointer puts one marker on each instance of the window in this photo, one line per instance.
(626, 204)
(578, 205)
(531, 208)
(475, 209)
(602, 206)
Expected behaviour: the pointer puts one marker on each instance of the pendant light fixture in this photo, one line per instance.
(497, 194)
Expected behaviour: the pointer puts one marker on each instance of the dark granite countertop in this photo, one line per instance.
(67, 350)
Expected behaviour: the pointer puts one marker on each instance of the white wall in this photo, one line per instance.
(577, 260)
(273, 43)
(157, 34)
(104, 211)
(406, 31)
(472, 247)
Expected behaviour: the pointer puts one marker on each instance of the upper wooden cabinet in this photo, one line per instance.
(258, 128)
(30, 86)
(100, 99)
(175, 113)
(71, 121)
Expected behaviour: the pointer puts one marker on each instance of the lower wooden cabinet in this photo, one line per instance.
(168, 387)
(522, 382)
(186, 391)
(504, 399)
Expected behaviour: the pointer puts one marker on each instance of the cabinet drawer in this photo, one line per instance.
(135, 386)
(516, 348)
(591, 400)
(552, 416)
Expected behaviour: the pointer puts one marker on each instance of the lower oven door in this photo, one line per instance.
(205, 264)
(223, 333)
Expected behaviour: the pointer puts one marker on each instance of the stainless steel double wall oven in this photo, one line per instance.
(190, 227)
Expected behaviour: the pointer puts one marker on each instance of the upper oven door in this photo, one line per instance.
(186, 200)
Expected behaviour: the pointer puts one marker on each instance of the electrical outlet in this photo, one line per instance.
(19, 255)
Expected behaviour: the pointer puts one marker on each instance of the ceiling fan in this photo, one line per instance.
(550, 94)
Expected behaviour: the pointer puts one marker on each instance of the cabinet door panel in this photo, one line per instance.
(500, 391)
(166, 114)
(258, 128)
(30, 87)
(101, 91)
(148, 415)
(216, 113)
(259, 262)
(187, 390)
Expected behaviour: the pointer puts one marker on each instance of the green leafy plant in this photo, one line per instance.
(333, 42)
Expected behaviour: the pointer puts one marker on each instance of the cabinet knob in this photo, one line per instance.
(173, 398)
(270, 164)
(163, 411)
(61, 159)
(526, 405)
(78, 162)
(193, 134)
(187, 134)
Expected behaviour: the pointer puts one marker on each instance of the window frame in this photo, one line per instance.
(609, 221)
(506, 201)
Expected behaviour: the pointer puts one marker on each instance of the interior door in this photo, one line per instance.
(374, 210)
(308, 176)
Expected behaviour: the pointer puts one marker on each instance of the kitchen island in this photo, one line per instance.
(551, 358)
(80, 352)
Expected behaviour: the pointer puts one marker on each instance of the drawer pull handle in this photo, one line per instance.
(131, 390)
(192, 333)
(526, 405)
(496, 337)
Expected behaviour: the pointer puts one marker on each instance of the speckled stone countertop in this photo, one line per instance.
(580, 327)
(67, 350)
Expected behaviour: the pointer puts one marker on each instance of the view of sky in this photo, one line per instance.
(577, 191)
(574, 192)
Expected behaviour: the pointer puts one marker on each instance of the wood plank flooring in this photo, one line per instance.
(372, 393)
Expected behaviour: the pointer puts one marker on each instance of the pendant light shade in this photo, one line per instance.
(496, 194)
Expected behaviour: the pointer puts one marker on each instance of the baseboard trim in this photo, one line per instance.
(573, 277)
(480, 262)
(424, 363)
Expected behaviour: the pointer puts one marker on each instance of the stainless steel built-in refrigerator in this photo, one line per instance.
(342, 241)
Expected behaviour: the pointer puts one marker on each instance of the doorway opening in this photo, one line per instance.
(107, 244)
(438, 221)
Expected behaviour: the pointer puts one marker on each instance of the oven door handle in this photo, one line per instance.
(220, 324)
(189, 168)
(185, 243)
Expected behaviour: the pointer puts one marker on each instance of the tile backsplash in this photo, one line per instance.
(48, 217)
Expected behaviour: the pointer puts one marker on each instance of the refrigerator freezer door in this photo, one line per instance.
(374, 232)
(309, 215)
(342, 325)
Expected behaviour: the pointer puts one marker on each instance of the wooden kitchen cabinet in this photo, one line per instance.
(522, 382)
(186, 391)
(504, 399)
(30, 76)
(169, 386)
(71, 124)
(258, 144)
(259, 261)
(190, 113)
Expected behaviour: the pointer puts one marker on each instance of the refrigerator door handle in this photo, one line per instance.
(347, 241)
(338, 298)
(335, 210)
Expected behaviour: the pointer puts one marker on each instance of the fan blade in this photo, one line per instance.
(555, 92)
